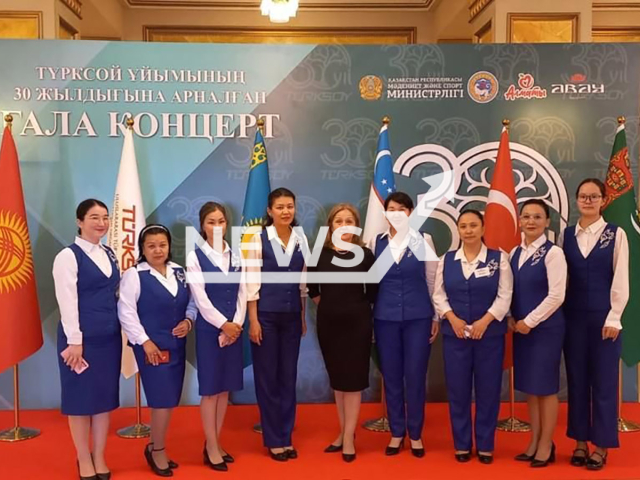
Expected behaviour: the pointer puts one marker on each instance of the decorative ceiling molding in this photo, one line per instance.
(476, 6)
(616, 6)
(253, 5)
(75, 6)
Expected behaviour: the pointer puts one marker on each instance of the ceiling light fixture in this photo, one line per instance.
(279, 11)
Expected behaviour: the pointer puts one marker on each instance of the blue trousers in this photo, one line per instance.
(275, 368)
(473, 364)
(403, 348)
(592, 379)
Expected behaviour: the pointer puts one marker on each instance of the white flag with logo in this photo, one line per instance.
(127, 220)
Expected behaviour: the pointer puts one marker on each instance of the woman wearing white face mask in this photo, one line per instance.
(403, 322)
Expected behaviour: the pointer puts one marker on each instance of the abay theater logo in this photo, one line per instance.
(371, 87)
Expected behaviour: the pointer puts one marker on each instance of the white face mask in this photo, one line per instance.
(399, 221)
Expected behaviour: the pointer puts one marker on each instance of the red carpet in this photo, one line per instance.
(50, 456)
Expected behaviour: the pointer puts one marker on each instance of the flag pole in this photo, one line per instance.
(380, 424)
(512, 423)
(139, 430)
(623, 424)
(17, 433)
(257, 428)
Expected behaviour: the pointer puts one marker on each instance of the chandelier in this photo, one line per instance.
(279, 11)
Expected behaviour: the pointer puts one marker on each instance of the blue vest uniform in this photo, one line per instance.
(403, 313)
(96, 390)
(473, 363)
(219, 369)
(160, 312)
(536, 356)
(275, 360)
(592, 363)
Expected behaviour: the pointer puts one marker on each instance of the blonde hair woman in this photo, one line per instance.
(344, 324)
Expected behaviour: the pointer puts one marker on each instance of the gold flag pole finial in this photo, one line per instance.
(8, 118)
(130, 122)
(621, 120)
(506, 122)
(386, 120)
(260, 124)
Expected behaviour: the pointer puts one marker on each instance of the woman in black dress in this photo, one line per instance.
(344, 325)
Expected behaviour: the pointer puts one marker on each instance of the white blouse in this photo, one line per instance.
(556, 266)
(197, 285)
(587, 238)
(65, 279)
(130, 293)
(500, 305)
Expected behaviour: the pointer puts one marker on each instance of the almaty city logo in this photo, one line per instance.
(16, 261)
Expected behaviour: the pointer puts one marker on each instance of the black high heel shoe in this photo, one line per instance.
(278, 457)
(292, 453)
(228, 458)
(535, 463)
(92, 477)
(593, 464)
(485, 459)
(218, 467)
(333, 448)
(350, 457)
(390, 451)
(579, 460)
(102, 476)
(417, 452)
(523, 457)
(161, 472)
(173, 465)
(463, 457)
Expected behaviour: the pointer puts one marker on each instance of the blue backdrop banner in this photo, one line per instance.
(195, 108)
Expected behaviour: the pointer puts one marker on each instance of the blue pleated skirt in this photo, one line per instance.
(219, 369)
(163, 383)
(96, 390)
(536, 360)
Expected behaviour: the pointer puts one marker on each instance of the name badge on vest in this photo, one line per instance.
(180, 277)
(606, 238)
(482, 272)
(113, 257)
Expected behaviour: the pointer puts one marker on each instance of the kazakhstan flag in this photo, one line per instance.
(254, 210)
(258, 188)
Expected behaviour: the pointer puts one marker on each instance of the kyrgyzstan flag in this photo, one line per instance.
(502, 222)
(20, 327)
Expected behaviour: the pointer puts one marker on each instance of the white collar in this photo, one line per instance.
(412, 233)
(273, 233)
(87, 246)
(536, 244)
(208, 249)
(593, 228)
(482, 256)
(145, 267)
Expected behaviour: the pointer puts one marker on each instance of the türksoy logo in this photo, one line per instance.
(526, 89)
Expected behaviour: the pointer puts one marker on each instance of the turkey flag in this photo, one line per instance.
(502, 222)
(20, 314)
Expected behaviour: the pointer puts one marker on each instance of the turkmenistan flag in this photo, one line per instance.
(621, 210)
